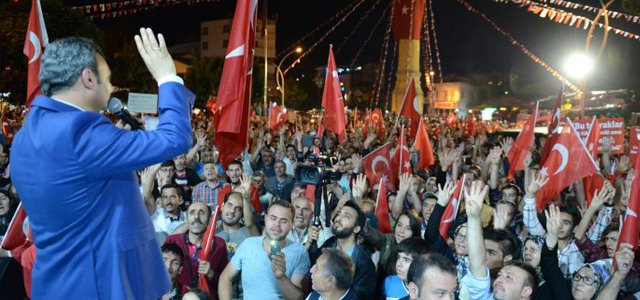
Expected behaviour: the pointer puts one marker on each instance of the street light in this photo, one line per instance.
(280, 75)
(578, 66)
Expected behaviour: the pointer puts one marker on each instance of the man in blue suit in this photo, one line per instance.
(74, 171)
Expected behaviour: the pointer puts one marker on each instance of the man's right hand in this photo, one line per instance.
(474, 197)
(155, 55)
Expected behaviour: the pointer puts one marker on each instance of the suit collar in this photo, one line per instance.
(52, 104)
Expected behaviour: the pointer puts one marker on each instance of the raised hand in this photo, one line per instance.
(624, 260)
(494, 155)
(553, 225)
(623, 165)
(359, 187)
(245, 186)
(445, 193)
(506, 145)
(356, 160)
(536, 184)
(405, 182)
(154, 53)
(501, 217)
(201, 138)
(474, 198)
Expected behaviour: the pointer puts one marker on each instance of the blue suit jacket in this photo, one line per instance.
(74, 171)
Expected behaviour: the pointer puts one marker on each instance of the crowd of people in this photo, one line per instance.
(268, 244)
(278, 236)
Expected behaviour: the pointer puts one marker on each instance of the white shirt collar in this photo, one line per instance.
(67, 103)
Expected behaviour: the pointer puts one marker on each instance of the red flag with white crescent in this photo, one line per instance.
(410, 106)
(34, 42)
(377, 164)
(554, 127)
(568, 162)
(234, 93)
(423, 145)
(401, 162)
(451, 211)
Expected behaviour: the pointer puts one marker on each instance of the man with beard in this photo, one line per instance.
(431, 276)
(198, 215)
(230, 229)
(235, 173)
(515, 280)
(347, 223)
(270, 265)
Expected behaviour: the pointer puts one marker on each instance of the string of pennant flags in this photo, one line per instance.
(561, 16)
(116, 9)
(572, 5)
(524, 49)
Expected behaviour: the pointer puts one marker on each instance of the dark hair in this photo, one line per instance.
(414, 246)
(504, 238)
(168, 163)
(512, 186)
(361, 218)
(414, 223)
(422, 263)
(574, 212)
(172, 186)
(175, 249)
(235, 162)
(283, 203)
(340, 266)
(202, 295)
(531, 278)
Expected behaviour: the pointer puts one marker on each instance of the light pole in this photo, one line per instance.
(280, 74)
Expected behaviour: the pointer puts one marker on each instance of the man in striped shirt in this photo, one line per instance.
(207, 191)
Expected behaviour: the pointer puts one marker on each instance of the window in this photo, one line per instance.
(225, 44)
(225, 28)
(205, 46)
(205, 31)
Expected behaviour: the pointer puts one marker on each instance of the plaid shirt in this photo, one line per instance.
(570, 258)
(203, 193)
(601, 223)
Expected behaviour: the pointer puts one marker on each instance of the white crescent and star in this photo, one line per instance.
(35, 42)
(564, 153)
(454, 202)
(377, 160)
(416, 104)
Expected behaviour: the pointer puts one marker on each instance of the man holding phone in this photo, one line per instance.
(272, 266)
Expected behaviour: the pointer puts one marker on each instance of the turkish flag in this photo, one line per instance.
(401, 162)
(451, 119)
(629, 232)
(382, 209)
(333, 117)
(595, 181)
(470, 130)
(378, 121)
(523, 143)
(234, 93)
(554, 127)
(410, 107)
(7, 131)
(15, 236)
(423, 145)
(406, 21)
(277, 117)
(34, 43)
(451, 211)
(568, 162)
(207, 247)
(378, 164)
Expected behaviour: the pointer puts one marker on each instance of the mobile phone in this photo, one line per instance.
(275, 248)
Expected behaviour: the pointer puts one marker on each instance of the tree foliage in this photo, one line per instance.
(14, 16)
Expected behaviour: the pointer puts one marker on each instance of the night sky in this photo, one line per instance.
(468, 44)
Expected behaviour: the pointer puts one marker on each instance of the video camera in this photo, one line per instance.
(318, 173)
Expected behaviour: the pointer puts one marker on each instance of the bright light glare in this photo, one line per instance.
(578, 65)
(298, 50)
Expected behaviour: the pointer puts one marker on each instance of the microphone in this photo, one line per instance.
(115, 106)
